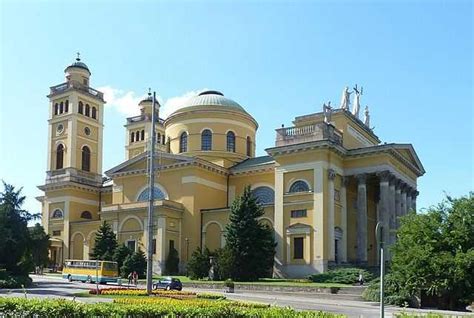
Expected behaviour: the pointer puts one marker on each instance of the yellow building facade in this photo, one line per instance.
(324, 185)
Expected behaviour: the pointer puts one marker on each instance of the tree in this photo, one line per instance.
(105, 243)
(39, 245)
(434, 253)
(172, 262)
(250, 243)
(134, 263)
(120, 255)
(198, 266)
(14, 234)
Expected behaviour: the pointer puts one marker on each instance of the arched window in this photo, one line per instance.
(299, 186)
(59, 156)
(249, 146)
(57, 214)
(158, 138)
(88, 110)
(157, 194)
(66, 106)
(86, 159)
(94, 112)
(264, 195)
(56, 108)
(230, 141)
(132, 137)
(183, 142)
(86, 215)
(163, 139)
(206, 140)
(143, 135)
(81, 108)
(168, 145)
(61, 107)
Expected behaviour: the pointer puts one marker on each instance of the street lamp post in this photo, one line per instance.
(379, 235)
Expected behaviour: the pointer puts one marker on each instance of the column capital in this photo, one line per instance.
(414, 193)
(345, 181)
(403, 186)
(331, 174)
(361, 178)
(398, 184)
(385, 176)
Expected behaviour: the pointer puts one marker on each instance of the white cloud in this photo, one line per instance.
(174, 103)
(124, 102)
(127, 102)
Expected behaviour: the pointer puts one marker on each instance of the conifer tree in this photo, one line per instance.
(250, 244)
(105, 243)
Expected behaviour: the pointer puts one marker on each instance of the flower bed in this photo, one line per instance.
(145, 307)
(120, 291)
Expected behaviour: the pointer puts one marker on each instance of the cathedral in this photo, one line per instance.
(324, 185)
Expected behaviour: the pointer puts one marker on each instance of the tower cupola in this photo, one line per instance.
(78, 72)
(146, 105)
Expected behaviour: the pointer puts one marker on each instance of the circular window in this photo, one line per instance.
(87, 131)
(60, 128)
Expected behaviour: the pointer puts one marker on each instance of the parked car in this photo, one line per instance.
(168, 283)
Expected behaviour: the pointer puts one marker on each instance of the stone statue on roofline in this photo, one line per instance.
(345, 99)
(367, 116)
(327, 110)
(356, 107)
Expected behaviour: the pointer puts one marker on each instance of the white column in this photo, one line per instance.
(392, 211)
(361, 218)
(279, 223)
(344, 219)
(319, 257)
(398, 209)
(384, 202)
(331, 238)
(161, 242)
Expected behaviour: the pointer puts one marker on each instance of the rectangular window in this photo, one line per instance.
(298, 247)
(171, 247)
(153, 246)
(299, 213)
(57, 233)
(131, 245)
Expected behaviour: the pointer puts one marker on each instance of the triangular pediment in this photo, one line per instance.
(139, 162)
(408, 152)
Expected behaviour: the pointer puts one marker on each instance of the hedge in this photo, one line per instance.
(348, 275)
(142, 307)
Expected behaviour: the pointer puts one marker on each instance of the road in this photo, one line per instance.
(56, 287)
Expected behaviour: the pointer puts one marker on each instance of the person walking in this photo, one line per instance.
(130, 278)
(135, 278)
(361, 278)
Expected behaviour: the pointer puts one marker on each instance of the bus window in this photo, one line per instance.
(109, 266)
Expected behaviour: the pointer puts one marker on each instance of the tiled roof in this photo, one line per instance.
(252, 163)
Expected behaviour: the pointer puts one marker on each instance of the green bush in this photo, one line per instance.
(147, 307)
(135, 262)
(8, 280)
(392, 292)
(349, 275)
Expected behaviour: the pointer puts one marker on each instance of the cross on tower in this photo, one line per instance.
(78, 56)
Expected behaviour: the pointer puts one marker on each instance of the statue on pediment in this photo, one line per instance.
(327, 110)
(356, 107)
(345, 99)
(367, 116)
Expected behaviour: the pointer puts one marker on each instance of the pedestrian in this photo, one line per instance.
(361, 278)
(130, 278)
(135, 278)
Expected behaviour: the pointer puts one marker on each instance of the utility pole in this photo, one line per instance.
(151, 186)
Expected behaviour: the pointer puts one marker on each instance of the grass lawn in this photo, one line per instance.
(262, 281)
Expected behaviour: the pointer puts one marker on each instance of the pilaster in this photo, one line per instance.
(279, 222)
(319, 255)
(331, 238)
(361, 218)
(345, 183)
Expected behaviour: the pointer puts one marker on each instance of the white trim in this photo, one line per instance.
(214, 120)
(73, 199)
(262, 184)
(357, 135)
(128, 218)
(90, 235)
(266, 218)
(132, 240)
(212, 222)
(310, 166)
(379, 168)
(298, 229)
(86, 145)
(228, 130)
(159, 186)
(208, 183)
(78, 232)
(293, 180)
(212, 131)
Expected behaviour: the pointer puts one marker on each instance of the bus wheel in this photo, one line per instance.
(69, 278)
(89, 279)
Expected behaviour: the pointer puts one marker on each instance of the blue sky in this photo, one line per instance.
(278, 59)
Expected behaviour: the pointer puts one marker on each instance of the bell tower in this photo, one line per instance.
(75, 128)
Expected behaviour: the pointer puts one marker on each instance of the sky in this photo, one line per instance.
(278, 59)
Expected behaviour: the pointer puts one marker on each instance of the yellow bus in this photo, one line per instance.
(91, 271)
